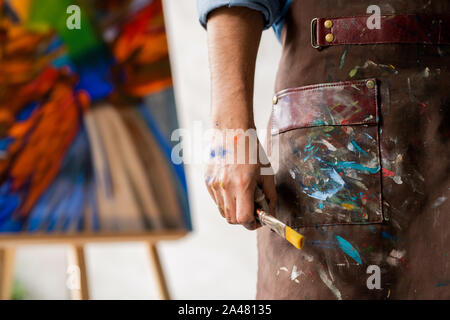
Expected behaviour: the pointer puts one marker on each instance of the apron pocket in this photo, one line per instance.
(329, 168)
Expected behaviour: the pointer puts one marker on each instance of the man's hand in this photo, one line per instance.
(233, 40)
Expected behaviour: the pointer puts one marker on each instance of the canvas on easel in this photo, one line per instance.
(86, 114)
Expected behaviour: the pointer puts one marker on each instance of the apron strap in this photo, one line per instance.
(426, 29)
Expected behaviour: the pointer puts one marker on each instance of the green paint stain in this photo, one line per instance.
(353, 72)
(344, 55)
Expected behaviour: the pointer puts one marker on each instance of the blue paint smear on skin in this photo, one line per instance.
(348, 249)
(222, 152)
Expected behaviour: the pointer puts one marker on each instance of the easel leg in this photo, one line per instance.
(77, 274)
(158, 271)
(6, 272)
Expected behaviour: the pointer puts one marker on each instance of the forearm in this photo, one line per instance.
(233, 41)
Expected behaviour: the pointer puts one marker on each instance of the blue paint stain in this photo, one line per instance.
(348, 249)
(370, 137)
(318, 122)
(222, 152)
(357, 147)
(356, 166)
(443, 283)
(26, 112)
(386, 235)
(372, 229)
(322, 243)
(308, 146)
(335, 184)
(5, 142)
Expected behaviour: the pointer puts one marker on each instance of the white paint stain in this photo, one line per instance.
(350, 147)
(295, 274)
(397, 179)
(328, 145)
(397, 253)
(330, 284)
(439, 201)
(282, 269)
(292, 173)
(395, 256)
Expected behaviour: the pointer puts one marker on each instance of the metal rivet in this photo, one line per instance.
(275, 99)
(370, 84)
(329, 37)
(328, 24)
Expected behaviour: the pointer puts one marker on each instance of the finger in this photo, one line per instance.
(209, 187)
(219, 197)
(270, 192)
(244, 209)
(230, 206)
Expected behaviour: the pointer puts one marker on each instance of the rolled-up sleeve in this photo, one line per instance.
(271, 9)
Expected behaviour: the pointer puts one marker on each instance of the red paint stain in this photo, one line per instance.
(404, 262)
(388, 173)
(423, 105)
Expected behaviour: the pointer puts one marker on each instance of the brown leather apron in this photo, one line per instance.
(363, 133)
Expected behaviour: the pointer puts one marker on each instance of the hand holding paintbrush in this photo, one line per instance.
(296, 239)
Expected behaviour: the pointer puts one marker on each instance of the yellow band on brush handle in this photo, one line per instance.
(294, 237)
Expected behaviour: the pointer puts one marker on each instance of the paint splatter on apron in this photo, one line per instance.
(363, 133)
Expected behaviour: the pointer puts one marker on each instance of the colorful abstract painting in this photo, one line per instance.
(86, 114)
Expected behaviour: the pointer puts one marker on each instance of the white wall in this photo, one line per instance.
(216, 261)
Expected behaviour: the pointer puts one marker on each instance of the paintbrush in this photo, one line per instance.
(262, 215)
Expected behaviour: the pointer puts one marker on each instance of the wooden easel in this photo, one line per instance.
(76, 257)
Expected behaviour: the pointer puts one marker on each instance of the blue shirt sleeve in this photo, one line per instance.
(272, 10)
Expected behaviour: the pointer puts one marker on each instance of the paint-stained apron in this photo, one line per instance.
(363, 135)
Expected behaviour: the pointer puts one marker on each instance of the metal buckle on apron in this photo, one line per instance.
(313, 34)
